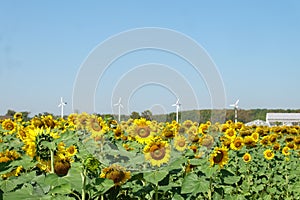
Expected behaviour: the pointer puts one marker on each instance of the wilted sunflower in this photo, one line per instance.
(180, 143)
(237, 143)
(219, 156)
(247, 157)
(157, 152)
(285, 151)
(118, 174)
(269, 154)
(62, 166)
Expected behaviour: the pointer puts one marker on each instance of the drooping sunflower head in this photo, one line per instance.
(180, 143)
(269, 154)
(157, 152)
(247, 157)
(62, 166)
(219, 156)
(116, 173)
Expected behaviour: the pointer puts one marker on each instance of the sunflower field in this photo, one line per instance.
(89, 157)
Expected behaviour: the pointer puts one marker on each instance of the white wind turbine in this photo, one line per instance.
(177, 104)
(62, 104)
(235, 106)
(120, 106)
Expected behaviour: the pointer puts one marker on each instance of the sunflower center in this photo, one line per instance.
(181, 143)
(143, 132)
(96, 126)
(246, 158)
(269, 154)
(237, 144)
(219, 157)
(157, 153)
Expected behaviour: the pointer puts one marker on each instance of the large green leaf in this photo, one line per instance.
(231, 179)
(193, 184)
(155, 177)
(61, 189)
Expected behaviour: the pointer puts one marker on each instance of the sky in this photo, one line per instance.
(254, 45)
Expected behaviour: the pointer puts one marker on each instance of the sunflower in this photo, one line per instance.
(203, 128)
(272, 138)
(207, 141)
(247, 157)
(276, 146)
(265, 140)
(142, 130)
(157, 152)
(219, 156)
(118, 132)
(118, 174)
(80, 120)
(9, 125)
(18, 116)
(249, 141)
(230, 134)
(269, 154)
(71, 151)
(291, 145)
(96, 126)
(187, 124)
(285, 151)
(255, 136)
(170, 130)
(48, 121)
(62, 166)
(237, 143)
(180, 143)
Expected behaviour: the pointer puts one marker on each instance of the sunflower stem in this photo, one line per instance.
(83, 178)
(156, 192)
(52, 161)
(210, 188)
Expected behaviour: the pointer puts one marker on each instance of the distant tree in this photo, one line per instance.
(10, 113)
(135, 115)
(147, 114)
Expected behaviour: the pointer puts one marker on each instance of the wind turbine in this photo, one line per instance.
(177, 104)
(62, 104)
(235, 106)
(120, 106)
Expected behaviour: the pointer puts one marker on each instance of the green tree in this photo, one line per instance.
(135, 115)
(147, 114)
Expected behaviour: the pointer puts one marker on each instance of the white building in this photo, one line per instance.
(283, 119)
(257, 123)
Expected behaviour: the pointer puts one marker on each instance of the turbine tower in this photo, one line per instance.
(62, 104)
(177, 104)
(120, 106)
(235, 107)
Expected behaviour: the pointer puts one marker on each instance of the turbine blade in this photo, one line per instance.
(236, 103)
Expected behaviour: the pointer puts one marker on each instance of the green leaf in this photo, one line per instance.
(231, 179)
(177, 197)
(192, 184)
(61, 189)
(209, 171)
(7, 185)
(155, 177)
(196, 162)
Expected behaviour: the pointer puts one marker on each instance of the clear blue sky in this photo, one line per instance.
(254, 44)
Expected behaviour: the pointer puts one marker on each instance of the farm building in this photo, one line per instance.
(288, 119)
